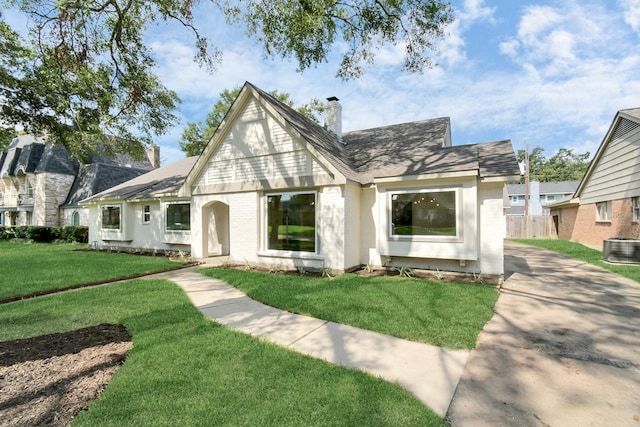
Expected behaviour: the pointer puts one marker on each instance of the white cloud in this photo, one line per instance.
(474, 10)
(631, 13)
(569, 68)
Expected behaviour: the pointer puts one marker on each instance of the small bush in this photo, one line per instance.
(40, 234)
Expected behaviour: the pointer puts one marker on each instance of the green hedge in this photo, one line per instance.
(68, 233)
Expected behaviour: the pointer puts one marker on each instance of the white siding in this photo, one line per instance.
(332, 226)
(352, 233)
(464, 247)
(243, 224)
(616, 174)
(258, 148)
(492, 228)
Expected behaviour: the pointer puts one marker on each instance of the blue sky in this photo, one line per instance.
(547, 73)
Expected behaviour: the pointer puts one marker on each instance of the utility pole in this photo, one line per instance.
(526, 190)
(526, 179)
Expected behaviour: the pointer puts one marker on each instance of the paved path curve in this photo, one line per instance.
(430, 373)
(563, 348)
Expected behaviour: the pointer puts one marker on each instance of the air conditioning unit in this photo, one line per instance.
(621, 250)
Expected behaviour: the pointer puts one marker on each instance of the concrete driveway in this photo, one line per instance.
(563, 348)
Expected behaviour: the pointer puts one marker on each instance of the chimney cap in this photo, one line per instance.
(332, 98)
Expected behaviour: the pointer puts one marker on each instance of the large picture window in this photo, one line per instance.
(291, 222)
(111, 217)
(179, 216)
(424, 214)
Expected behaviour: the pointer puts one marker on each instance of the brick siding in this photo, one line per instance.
(579, 224)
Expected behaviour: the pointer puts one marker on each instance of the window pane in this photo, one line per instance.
(291, 220)
(146, 213)
(424, 214)
(179, 216)
(111, 217)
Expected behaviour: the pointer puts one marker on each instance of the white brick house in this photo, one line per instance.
(274, 187)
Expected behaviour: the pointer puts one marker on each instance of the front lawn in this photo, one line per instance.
(27, 268)
(583, 253)
(443, 314)
(185, 370)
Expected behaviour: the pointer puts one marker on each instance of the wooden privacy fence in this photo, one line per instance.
(531, 227)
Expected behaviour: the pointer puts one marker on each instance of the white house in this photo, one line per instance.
(540, 195)
(274, 187)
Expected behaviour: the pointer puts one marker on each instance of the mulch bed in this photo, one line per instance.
(49, 379)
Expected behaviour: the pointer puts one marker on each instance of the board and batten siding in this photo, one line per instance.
(616, 174)
(258, 148)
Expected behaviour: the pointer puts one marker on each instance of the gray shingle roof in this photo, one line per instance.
(98, 177)
(560, 187)
(398, 150)
(163, 181)
(29, 158)
(55, 159)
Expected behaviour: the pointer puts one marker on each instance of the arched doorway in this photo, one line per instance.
(215, 218)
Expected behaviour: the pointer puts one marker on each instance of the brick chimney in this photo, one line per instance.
(153, 154)
(333, 117)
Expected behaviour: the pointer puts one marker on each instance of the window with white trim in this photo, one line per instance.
(636, 208)
(429, 213)
(178, 217)
(291, 222)
(146, 214)
(604, 211)
(111, 217)
(75, 218)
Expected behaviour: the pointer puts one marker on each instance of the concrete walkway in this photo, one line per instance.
(563, 348)
(430, 373)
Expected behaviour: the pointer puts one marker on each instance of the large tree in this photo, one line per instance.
(85, 74)
(564, 165)
(196, 135)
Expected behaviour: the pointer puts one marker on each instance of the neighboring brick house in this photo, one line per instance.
(40, 184)
(606, 204)
(274, 187)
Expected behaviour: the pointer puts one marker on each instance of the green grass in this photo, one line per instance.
(583, 253)
(185, 370)
(28, 268)
(444, 314)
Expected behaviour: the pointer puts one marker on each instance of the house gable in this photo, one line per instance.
(613, 170)
(255, 149)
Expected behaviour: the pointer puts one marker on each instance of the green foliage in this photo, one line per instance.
(306, 30)
(37, 267)
(196, 136)
(326, 272)
(6, 135)
(562, 166)
(86, 74)
(444, 314)
(40, 234)
(275, 269)
(405, 271)
(369, 267)
(185, 370)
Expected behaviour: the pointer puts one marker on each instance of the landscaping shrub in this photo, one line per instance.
(40, 234)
